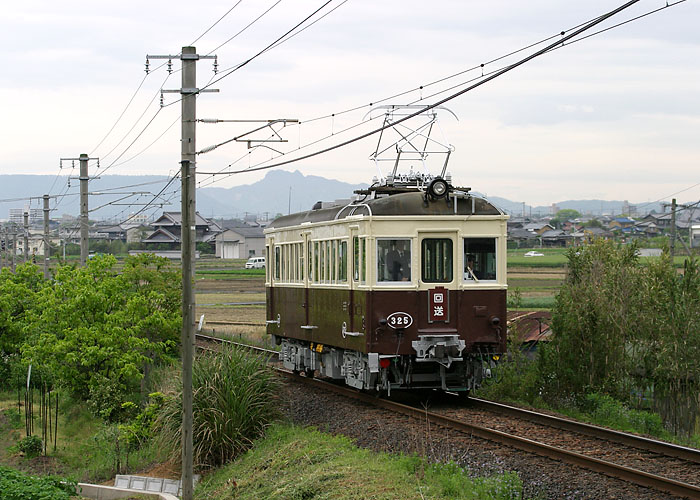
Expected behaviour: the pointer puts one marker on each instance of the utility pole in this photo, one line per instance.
(189, 91)
(673, 228)
(26, 237)
(83, 209)
(46, 236)
(84, 178)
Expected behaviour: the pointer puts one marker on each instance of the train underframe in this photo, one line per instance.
(439, 362)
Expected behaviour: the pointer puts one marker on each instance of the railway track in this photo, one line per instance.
(686, 459)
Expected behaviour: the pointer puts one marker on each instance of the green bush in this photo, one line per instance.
(15, 485)
(606, 411)
(31, 446)
(233, 402)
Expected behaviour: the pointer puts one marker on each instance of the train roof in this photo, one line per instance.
(408, 204)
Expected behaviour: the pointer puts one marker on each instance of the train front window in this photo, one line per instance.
(393, 260)
(436, 260)
(479, 259)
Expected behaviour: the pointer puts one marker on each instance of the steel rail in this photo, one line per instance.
(653, 445)
(628, 474)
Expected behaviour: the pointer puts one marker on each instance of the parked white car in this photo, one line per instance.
(255, 263)
(533, 253)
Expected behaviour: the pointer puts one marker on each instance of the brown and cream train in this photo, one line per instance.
(403, 289)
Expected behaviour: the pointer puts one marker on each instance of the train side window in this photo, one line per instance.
(363, 260)
(267, 267)
(436, 260)
(277, 262)
(343, 262)
(316, 262)
(393, 260)
(355, 258)
(309, 260)
(333, 248)
(300, 257)
(479, 259)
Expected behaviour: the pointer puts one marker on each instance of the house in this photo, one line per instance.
(556, 238)
(622, 223)
(168, 230)
(538, 227)
(239, 240)
(522, 237)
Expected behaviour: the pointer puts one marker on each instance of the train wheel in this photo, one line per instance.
(309, 373)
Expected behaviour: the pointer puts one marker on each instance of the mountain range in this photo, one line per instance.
(279, 192)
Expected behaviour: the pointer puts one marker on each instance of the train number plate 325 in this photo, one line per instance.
(399, 320)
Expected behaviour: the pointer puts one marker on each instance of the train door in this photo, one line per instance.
(358, 277)
(439, 275)
(308, 274)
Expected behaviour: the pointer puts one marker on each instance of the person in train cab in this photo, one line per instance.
(393, 262)
(470, 271)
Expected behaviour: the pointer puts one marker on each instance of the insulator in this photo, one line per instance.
(161, 100)
(216, 65)
(170, 66)
(147, 66)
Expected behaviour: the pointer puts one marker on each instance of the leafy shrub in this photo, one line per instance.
(140, 429)
(604, 410)
(31, 446)
(233, 403)
(15, 485)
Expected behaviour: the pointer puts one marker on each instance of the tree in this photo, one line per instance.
(98, 332)
(567, 214)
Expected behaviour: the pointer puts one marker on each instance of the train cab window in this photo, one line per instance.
(393, 260)
(436, 260)
(479, 259)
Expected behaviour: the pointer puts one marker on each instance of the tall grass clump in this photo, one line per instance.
(233, 401)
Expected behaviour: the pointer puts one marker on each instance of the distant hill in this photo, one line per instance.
(277, 193)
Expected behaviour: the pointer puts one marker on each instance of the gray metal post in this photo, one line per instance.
(83, 209)
(3, 248)
(189, 115)
(46, 236)
(26, 237)
(14, 247)
(673, 229)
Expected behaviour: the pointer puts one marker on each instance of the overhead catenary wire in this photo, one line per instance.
(559, 45)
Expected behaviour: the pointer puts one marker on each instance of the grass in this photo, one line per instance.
(292, 463)
(230, 298)
(231, 272)
(85, 447)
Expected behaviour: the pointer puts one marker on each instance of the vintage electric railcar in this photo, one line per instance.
(403, 289)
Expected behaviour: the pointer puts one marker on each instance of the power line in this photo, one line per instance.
(217, 22)
(245, 27)
(583, 27)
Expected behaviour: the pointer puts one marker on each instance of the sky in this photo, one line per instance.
(615, 116)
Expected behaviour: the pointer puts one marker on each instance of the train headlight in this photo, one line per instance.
(438, 188)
